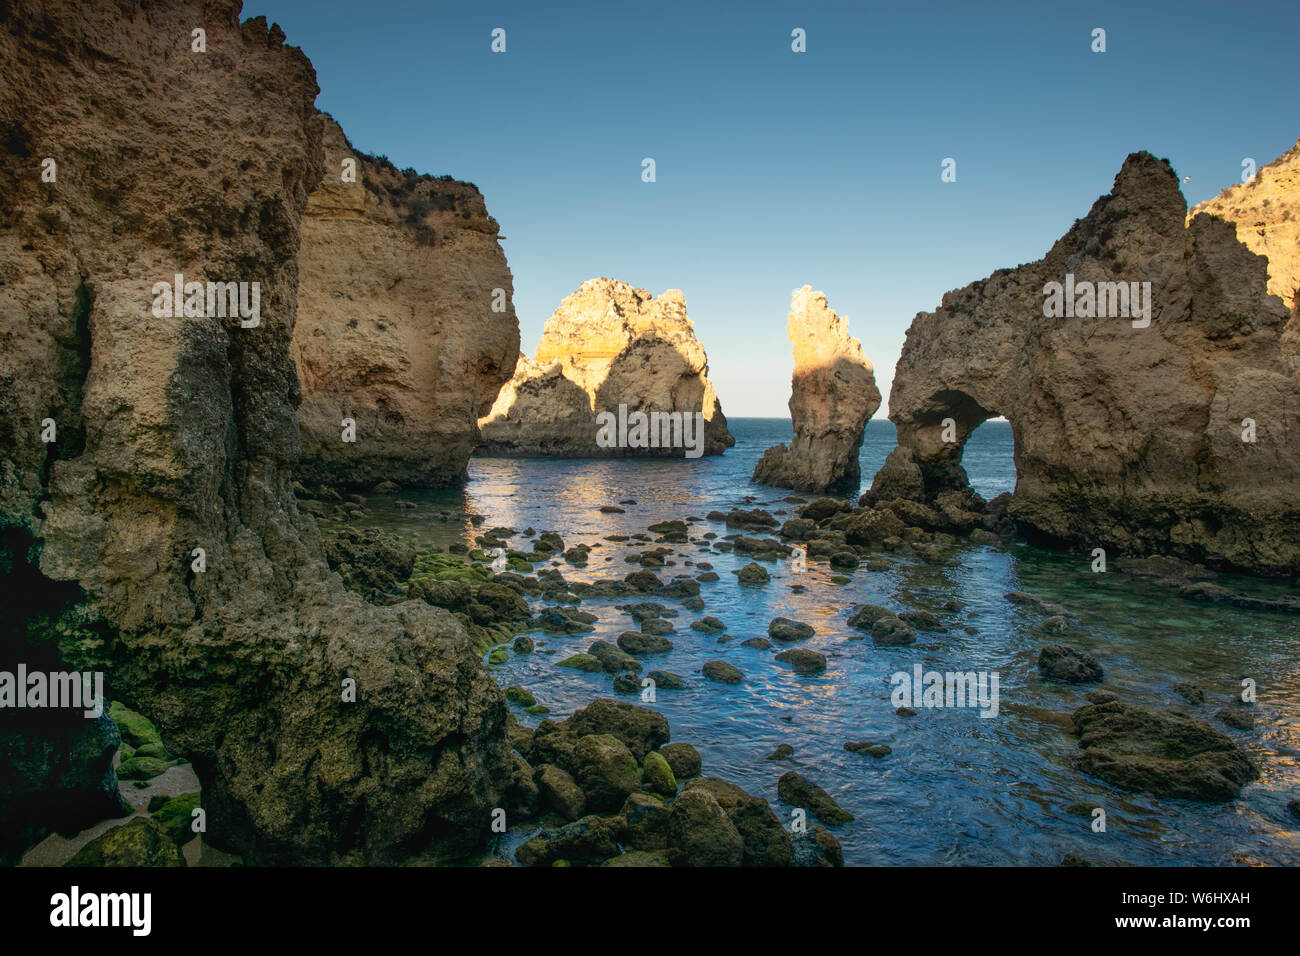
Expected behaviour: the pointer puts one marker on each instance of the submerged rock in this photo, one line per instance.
(817, 847)
(1136, 748)
(868, 748)
(804, 662)
(785, 629)
(1057, 662)
(798, 791)
(752, 574)
(722, 672)
(832, 397)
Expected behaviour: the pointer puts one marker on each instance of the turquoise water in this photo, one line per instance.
(957, 788)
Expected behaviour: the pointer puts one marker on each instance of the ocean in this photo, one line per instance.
(957, 788)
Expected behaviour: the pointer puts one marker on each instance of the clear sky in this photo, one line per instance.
(774, 168)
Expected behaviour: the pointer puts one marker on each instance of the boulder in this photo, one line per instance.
(699, 832)
(1136, 748)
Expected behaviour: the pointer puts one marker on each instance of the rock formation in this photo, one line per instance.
(405, 323)
(1128, 431)
(607, 345)
(1266, 213)
(177, 433)
(833, 394)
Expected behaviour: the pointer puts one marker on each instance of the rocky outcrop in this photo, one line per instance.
(1128, 428)
(405, 322)
(177, 432)
(1266, 214)
(609, 345)
(833, 395)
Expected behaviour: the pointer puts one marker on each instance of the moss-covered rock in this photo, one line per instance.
(753, 574)
(142, 768)
(657, 775)
(582, 662)
(176, 816)
(136, 729)
(606, 771)
(521, 696)
(589, 840)
(683, 759)
(560, 792)
(798, 791)
(699, 833)
(1164, 754)
(142, 842)
(766, 842)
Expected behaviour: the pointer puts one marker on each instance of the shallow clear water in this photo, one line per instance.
(957, 788)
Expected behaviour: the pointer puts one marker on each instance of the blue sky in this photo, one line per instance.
(776, 169)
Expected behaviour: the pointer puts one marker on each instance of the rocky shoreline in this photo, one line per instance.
(183, 490)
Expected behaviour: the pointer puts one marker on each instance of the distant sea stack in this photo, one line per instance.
(833, 395)
(405, 322)
(607, 345)
(1266, 214)
(1162, 421)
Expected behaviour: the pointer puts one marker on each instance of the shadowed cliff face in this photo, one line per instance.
(1128, 438)
(1266, 214)
(177, 433)
(396, 324)
(833, 395)
(608, 344)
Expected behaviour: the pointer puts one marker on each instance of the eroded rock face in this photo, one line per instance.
(607, 345)
(832, 397)
(1266, 214)
(1128, 438)
(179, 433)
(400, 276)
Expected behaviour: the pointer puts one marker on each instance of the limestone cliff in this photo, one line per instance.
(1266, 214)
(1128, 428)
(832, 397)
(607, 345)
(176, 431)
(405, 323)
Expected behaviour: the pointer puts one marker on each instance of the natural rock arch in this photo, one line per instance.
(1128, 428)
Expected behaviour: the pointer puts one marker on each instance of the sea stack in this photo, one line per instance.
(832, 397)
(1142, 367)
(608, 350)
(405, 322)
